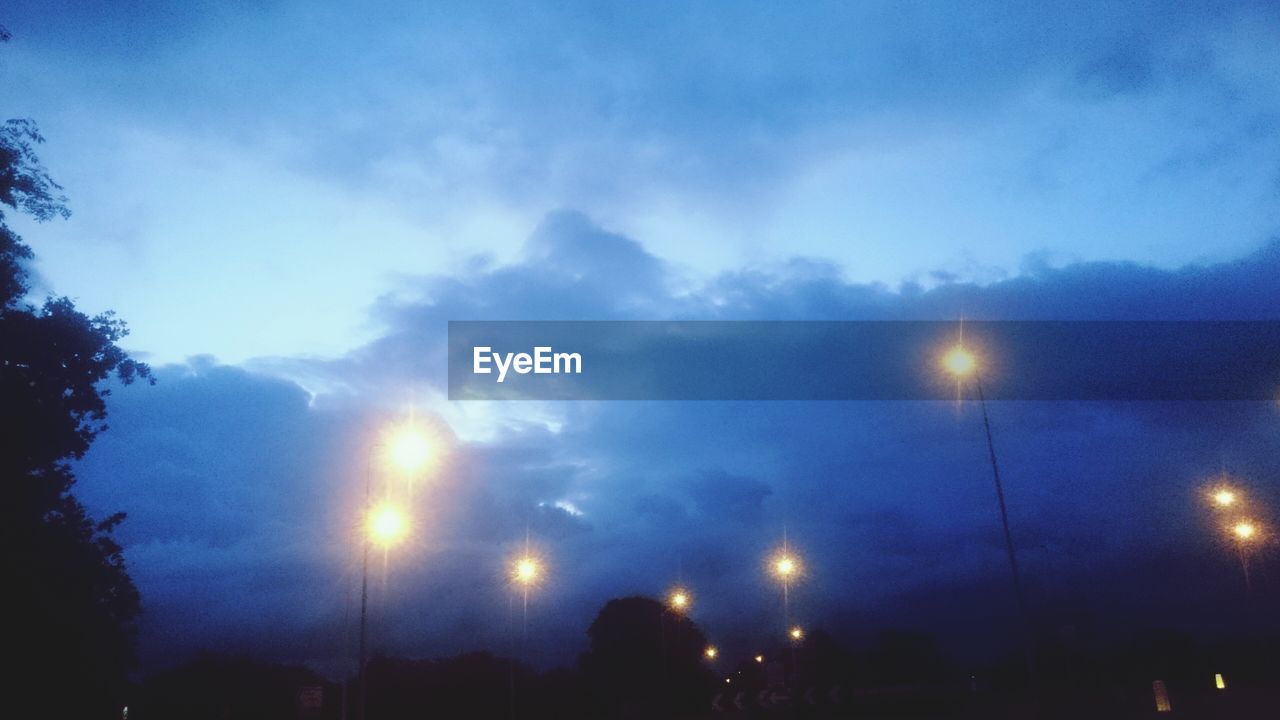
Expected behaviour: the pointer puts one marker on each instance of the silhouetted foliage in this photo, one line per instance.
(474, 685)
(66, 583)
(646, 658)
(215, 687)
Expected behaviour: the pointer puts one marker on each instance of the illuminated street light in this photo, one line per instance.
(408, 447)
(1224, 497)
(759, 658)
(959, 361)
(796, 633)
(387, 525)
(679, 600)
(785, 566)
(526, 571)
(1244, 531)
(711, 652)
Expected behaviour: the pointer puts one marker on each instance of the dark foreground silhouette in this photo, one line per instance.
(645, 662)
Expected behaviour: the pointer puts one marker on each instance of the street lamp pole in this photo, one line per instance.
(385, 525)
(364, 582)
(1008, 536)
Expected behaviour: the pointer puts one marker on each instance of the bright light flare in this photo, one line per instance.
(759, 658)
(796, 633)
(679, 599)
(1219, 682)
(1244, 531)
(409, 448)
(959, 361)
(785, 565)
(712, 652)
(387, 525)
(526, 570)
(1224, 497)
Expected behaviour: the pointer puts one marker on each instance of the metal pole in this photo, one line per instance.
(364, 583)
(364, 622)
(1008, 539)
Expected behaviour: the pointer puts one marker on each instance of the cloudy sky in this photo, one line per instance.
(288, 203)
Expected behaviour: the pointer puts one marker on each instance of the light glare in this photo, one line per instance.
(526, 570)
(959, 361)
(786, 565)
(387, 525)
(1244, 530)
(408, 448)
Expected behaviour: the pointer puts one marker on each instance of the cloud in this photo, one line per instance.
(243, 487)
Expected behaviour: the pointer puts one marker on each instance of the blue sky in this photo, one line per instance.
(296, 162)
(288, 202)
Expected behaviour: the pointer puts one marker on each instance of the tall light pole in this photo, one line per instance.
(785, 566)
(962, 364)
(1245, 533)
(386, 524)
(526, 572)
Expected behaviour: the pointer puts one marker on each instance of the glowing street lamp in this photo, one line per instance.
(961, 363)
(785, 566)
(526, 571)
(408, 448)
(796, 633)
(712, 652)
(1244, 531)
(679, 600)
(759, 658)
(387, 525)
(1224, 497)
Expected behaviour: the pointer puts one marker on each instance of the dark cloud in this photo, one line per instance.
(242, 487)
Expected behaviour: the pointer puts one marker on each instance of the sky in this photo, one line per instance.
(288, 201)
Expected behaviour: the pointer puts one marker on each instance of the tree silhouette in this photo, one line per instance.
(644, 657)
(71, 602)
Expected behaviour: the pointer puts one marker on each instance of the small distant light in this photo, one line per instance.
(1224, 498)
(797, 633)
(1218, 682)
(759, 658)
(1161, 696)
(728, 680)
(711, 652)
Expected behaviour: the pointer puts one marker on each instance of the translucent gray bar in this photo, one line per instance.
(892, 360)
